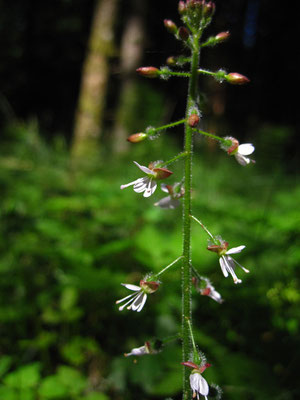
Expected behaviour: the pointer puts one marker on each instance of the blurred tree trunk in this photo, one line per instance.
(95, 73)
(131, 55)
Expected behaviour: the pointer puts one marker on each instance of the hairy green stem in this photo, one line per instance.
(173, 73)
(225, 141)
(168, 266)
(180, 155)
(170, 125)
(186, 265)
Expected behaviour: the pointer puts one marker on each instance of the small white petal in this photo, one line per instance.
(132, 297)
(150, 188)
(131, 287)
(143, 168)
(164, 188)
(235, 250)
(246, 149)
(142, 303)
(223, 266)
(129, 184)
(137, 301)
(167, 202)
(242, 159)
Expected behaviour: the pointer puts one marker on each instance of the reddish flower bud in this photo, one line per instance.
(137, 137)
(236, 79)
(209, 9)
(181, 7)
(148, 72)
(193, 120)
(170, 26)
(183, 33)
(162, 173)
(222, 36)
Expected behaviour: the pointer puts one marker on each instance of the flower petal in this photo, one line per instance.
(223, 266)
(242, 159)
(139, 299)
(164, 188)
(246, 149)
(129, 184)
(131, 287)
(151, 187)
(143, 168)
(235, 250)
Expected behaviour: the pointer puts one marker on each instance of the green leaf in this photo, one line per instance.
(24, 377)
(52, 388)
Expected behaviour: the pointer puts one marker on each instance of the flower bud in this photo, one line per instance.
(171, 61)
(181, 7)
(222, 36)
(137, 137)
(208, 9)
(148, 72)
(170, 26)
(183, 33)
(236, 79)
(162, 173)
(149, 286)
(193, 120)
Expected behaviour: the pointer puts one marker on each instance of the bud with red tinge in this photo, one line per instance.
(209, 9)
(137, 137)
(181, 7)
(148, 72)
(170, 26)
(193, 120)
(222, 36)
(183, 33)
(236, 79)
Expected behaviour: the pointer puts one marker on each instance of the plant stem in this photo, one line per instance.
(186, 265)
(173, 73)
(180, 155)
(161, 128)
(203, 227)
(225, 141)
(168, 266)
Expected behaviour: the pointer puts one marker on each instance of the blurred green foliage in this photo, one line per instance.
(70, 237)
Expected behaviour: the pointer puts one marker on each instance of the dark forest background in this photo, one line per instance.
(70, 236)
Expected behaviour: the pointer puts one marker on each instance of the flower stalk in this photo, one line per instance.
(186, 264)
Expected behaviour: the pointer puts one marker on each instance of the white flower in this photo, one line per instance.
(198, 385)
(148, 184)
(170, 201)
(137, 300)
(244, 150)
(140, 351)
(239, 151)
(227, 263)
(211, 292)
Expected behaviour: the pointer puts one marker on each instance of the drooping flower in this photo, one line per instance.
(140, 351)
(227, 263)
(148, 184)
(207, 289)
(137, 300)
(239, 151)
(198, 384)
(175, 191)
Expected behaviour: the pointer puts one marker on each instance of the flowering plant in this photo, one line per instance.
(195, 15)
